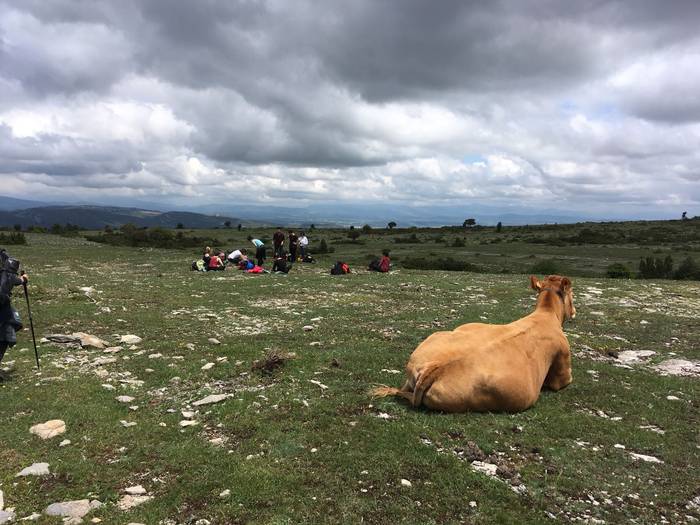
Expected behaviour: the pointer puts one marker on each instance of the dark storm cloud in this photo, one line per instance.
(368, 87)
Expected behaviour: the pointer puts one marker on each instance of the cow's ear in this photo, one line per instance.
(535, 284)
(565, 284)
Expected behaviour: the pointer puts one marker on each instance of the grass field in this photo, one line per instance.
(304, 442)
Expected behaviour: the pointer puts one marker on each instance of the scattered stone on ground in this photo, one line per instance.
(318, 383)
(678, 367)
(225, 493)
(36, 469)
(485, 468)
(127, 424)
(643, 457)
(208, 366)
(214, 341)
(6, 517)
(308, 328)
(124, 399)
(634, 356)
(90, 341)
(64, 443)
(50, 429)
(129, 502)
(136, 490)
(72, 511)
(406, 483)
(188, 423)
(214, 398)
(130, 339)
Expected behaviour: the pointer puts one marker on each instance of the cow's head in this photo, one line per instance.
(562, 287)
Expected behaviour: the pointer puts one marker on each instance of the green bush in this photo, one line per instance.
(687, 269)
(12, 238)
(429, 263)
(412, 239)
(546, 267)
(151, 238)
(618, 271)
(459, 243)
(655, 268)
(322, 247)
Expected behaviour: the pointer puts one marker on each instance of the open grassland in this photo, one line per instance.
(303, 442)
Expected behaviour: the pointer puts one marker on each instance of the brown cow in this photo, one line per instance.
(483, 367)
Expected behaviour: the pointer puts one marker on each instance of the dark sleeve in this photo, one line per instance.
(16, 281)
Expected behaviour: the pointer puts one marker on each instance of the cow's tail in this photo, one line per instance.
(413, 390)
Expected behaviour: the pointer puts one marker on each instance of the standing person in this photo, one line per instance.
(236, 255)
(9, 318)
(293, 245)
(278, 242)
(303, 244)
(259, 249)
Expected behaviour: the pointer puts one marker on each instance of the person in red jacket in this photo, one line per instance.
(382, 265)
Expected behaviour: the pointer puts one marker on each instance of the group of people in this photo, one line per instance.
(283, 259)
(9, 318)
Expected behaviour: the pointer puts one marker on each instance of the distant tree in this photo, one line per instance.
(353, 234)
(684, 217)
(312, 227)
(56, 229)
(352, 227)
(391, 225)
(227, 224)
(18, 227)
(108, 228)
(366, 228)
(180, 226)
(469, 222)
(499, 227)
(240, 226)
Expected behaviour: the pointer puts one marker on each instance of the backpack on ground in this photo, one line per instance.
(308, 259)
(199, 266)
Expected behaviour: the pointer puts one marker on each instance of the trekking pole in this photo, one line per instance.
(31, 322)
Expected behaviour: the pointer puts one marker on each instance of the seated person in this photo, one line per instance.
(381, 265)
(216, 262)
(281, 264)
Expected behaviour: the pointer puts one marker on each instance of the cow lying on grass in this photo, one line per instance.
(483, 367)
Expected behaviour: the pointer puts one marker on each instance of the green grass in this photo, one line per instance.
(294, 452)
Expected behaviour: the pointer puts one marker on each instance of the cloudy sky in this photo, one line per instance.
(586, 107)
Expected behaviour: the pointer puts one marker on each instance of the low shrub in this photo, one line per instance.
(412, 239)
(12, 238)
(546, 267)
(618, 271)
(447, 264)
(687, 269)
(151, 238)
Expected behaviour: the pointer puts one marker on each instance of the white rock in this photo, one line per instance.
(486, 468)
(2, 500)
(214, 341)
(678, 367)
(50, 429)
(127, 424)
(315, 343)
(136, 490)
(130, 339)
(406, 483)
(318, 383)
(107, 386)
(36, 469)
(187, 414)
(129, 502)
(87, 340)
(124, 399)
(472, 504)
(157, 355)
(307, 328)
(74, 511)
(225, 494)
(214, 398)
(634, 356)
(32, 517)
(648, 459)
(208, 366)
(673, 398)
(188, 423)
(6, 517)
(64, 443)
(112, 350)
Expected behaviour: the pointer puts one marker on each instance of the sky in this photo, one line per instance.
(587, 107)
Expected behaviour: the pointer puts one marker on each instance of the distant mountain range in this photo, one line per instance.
(321, 214)
(97, 217)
